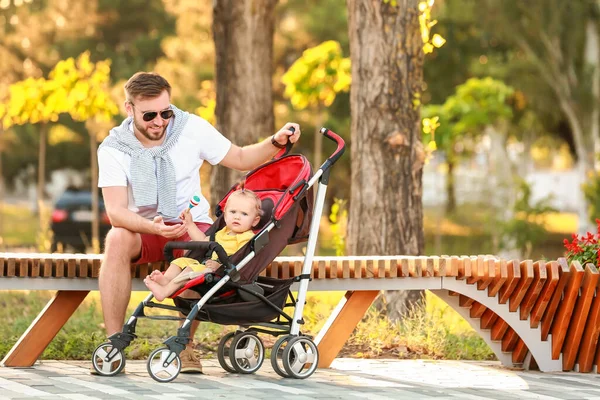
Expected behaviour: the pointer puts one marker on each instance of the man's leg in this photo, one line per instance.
(114, 280)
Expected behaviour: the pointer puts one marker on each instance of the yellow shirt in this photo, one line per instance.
(231, 243)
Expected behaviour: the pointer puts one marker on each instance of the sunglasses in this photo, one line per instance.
(150, 115)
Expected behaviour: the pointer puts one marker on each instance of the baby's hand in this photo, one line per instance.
(186, 216)
(212, 265)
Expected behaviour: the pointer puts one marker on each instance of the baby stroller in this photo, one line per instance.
(235, 294)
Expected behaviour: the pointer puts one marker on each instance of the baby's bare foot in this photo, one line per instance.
(155, 288)
(158, 277)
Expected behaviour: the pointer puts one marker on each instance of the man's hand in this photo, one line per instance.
(168, 231)
(285, 134)
(212, 265)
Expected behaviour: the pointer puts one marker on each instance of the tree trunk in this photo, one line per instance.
(243, 35)
(95, 205)
(42, 166)
(450, 188)
(386, 210)
(592, 58)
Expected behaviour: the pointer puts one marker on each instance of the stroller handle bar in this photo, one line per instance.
(202, 246)
(341, 146)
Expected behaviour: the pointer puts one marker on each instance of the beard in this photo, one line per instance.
(153, 136)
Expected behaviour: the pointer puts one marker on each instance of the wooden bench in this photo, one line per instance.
(543, 313)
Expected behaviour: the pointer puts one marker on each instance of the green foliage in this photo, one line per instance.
(527, 227)
(339, 224)
(475, 104)
(591, 191)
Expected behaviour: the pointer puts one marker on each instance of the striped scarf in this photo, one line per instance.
(152, 171)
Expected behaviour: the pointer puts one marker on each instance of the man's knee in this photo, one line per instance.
(122, 242)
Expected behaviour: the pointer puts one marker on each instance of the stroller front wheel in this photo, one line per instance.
(163, 365)
(108, 360)
(277, 355)
(247, 352)
(300, 357)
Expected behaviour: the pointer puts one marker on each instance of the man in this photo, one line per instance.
(148, 171)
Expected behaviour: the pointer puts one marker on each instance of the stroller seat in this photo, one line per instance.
(267, 206)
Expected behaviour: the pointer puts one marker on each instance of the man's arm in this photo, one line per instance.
(249, 157)
(115, 202)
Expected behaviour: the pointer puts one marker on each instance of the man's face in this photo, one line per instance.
(153, 130)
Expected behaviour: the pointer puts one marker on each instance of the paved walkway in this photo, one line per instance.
(347, 379)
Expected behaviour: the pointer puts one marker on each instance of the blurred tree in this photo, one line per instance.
(243, 34)
(313, 82)
(77, 87)
(561, 41)
(386, 211)
(88, 99)
(478, 107)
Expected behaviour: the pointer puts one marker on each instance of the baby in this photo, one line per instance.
(242, 213)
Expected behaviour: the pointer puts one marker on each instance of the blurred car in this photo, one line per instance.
(72, 220)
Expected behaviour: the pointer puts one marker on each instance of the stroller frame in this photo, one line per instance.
(293, 355)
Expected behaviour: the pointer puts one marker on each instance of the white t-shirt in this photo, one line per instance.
(198, 141)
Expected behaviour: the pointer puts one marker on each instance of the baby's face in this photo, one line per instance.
(240, 214)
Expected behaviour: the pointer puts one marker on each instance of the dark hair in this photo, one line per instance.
(146, 85)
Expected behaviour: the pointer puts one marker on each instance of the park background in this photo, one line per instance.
(508, 124)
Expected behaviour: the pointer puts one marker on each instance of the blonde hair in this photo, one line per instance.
(248, 194)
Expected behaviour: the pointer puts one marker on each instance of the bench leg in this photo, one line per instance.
(44, 328)
(341, 324)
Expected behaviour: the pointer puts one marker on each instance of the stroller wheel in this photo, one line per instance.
(223, 352)
(246, 353)
(108, 360)
(300, 357)
(163, 365)
(277, 355)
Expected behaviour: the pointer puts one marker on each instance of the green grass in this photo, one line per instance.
(435, 331)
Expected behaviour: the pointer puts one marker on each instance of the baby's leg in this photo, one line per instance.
(168, 276)
(159, 291)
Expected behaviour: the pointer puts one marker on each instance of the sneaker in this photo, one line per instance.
(190, 362)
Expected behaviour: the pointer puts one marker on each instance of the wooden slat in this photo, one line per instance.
(23, 267)
(11, 267)
(509, 340)
(501, 275)
(489, 273)
(35, 267)
(520, 352)
(487, 319)
(477, 310)
(498, 329)
(579, 317)
(522, 286)
(565, 309)
(464, 301)
(514, 275)
(454, 264)
(477, 270)
(464, 268)
(546, 295)
(589, 341)
(563, 278)
(539, 278)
